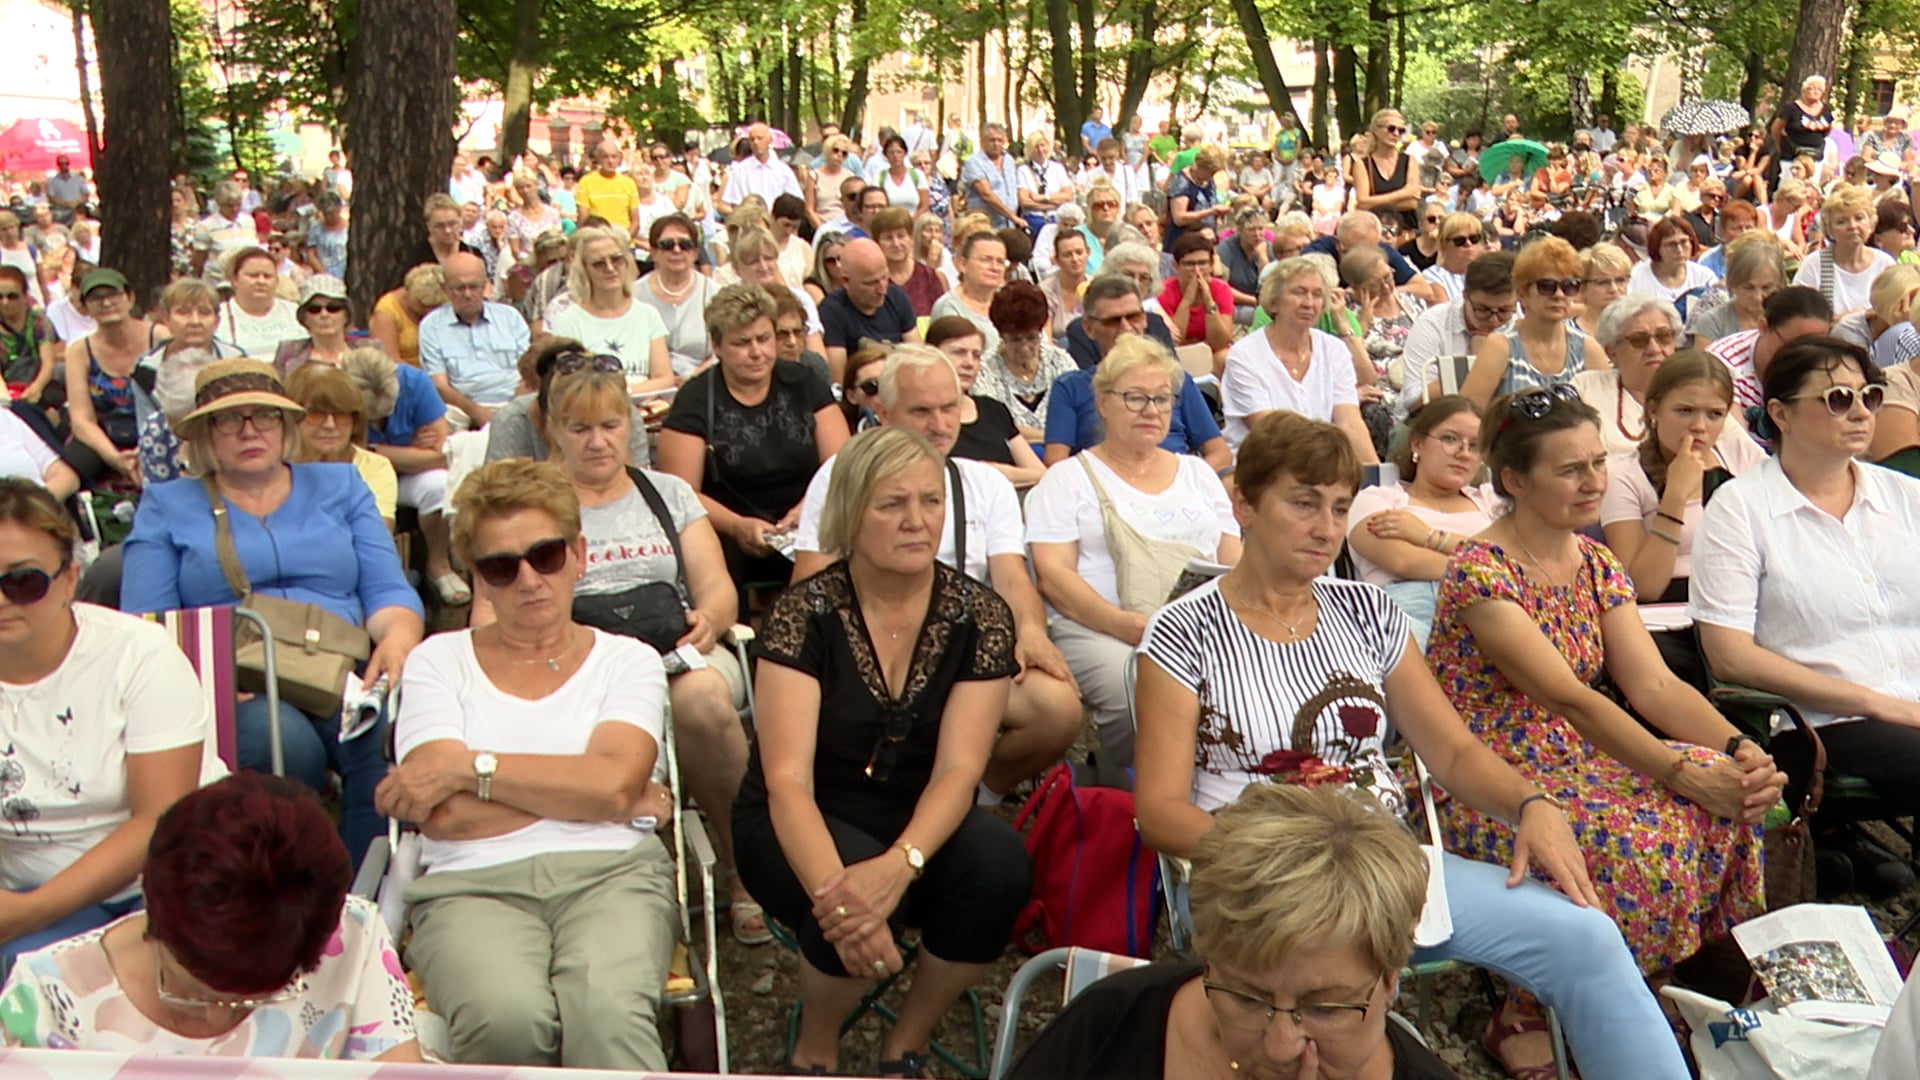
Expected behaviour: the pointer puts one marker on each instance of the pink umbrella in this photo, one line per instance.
(781, 141)
(32, 145)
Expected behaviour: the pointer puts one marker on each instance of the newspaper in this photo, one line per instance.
(1822, 962)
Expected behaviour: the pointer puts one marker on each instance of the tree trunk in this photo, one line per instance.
(1817, 40)
(1346, 90)
(1322, 84)
(133, 38)
(1754, 78)
(1579, 100)
(400, 119)
(1610, 94)
(1400, 51)
(796, 85)
(1279, 94)
(1067, 110)
(1378, 59)
(980, 80)
(517, 121)
(1089, 70)
(80, 68)
(855, 109)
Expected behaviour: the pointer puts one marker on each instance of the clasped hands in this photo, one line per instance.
(852, 908)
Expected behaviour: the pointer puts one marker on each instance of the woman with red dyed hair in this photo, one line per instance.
(249, 945)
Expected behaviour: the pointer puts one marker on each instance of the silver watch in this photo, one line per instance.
(484, 766)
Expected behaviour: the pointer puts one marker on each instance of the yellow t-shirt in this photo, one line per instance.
(381, 479)
(614, 198)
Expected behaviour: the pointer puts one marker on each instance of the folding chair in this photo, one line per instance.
(205, 635)
(1196, 358)
(392, 862)
(1082, 968)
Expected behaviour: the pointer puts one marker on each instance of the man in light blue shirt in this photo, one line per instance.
(471, 346)
(1093, 131)
(991, 180)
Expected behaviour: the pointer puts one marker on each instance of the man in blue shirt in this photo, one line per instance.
(1113, 307)
(471, 346)
(991, 180)
(1093, 131)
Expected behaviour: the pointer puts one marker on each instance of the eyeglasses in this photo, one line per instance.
(1467, 240)
(574, 360)
(675, 243)
(1137, 402)
(870, 387)
(1319, 1020)
(1840, 399)
(6, 296)
(1537, 403)
(1491, 314)
(333, 307)
(546, 557)
(886, 751)
(785, 332)
(1104, 204)
(1393, 129)
(1454, 444)
(611, 262)
(661, 157)
(1565, 287)
(263, 420)
(291, 992)
(1640, 339)
(1136, 317)
(25, 585)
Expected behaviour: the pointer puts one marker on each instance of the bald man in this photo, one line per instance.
(470, 345)
(759, 173)
(870, 308)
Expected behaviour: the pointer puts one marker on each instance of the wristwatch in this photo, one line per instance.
(916, 861)
(1733, 744)
(484, 766)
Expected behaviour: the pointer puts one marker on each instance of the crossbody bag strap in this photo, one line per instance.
(1106, 504)
(659, 507)
(959, 515)
(230, 566)
(1826, 275)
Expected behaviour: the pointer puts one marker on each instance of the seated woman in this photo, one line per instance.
(669, 590)
(1895, 293)
(600, 309)
(1291, 364)
(1402, 533)
(679, 292)
(1604, 270)
(1021, 371)
(1755, 271)
(987, 430)
(860, 388)
(395, 322)
(857, 814)
(324, 315)
(1638, 332)
(1462, 239)
(99, 371)
(256, 317)
(748, 433)
(1836, 635)
(892, 229)
(249, 945)
(544, 918)
(982, 260)
(519, 430)
(1112, 528)
(84, 796)
(1273, 665)
(1669, 271)
(1845, 270)
(1384, 315)
(1307, 897)
(1198, 305)
(1669, 824)
(1542, 347)
(334, 428)
(307, 532)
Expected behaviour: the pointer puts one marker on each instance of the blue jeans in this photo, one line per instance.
(91, 917)
(1570, 957)
(311, 746)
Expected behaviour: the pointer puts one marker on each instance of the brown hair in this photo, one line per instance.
(503, 487)
(1421, 424)
(1684, 368)
(325, 388)
(1513, 441)
(31, 506)
(1310, 451)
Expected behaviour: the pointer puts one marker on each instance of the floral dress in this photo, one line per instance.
(1674, 875)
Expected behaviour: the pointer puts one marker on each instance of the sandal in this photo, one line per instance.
(790, 1069)
(453, 591)
(909, 1064)
(742, 913)
(1495, 1040)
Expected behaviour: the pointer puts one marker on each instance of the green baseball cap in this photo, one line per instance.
(102, 278)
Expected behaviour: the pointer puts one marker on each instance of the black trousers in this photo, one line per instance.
(1888, 755)
(964, 904)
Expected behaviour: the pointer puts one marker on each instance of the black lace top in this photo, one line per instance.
(816, 628)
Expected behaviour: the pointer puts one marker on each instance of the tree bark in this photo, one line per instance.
(1346, 89)
(80, 68)
(1610, 94)
(1579, 99)
(1817, 40)
(856, 106)
(1322, 86)
(400, 120)
(1753, 78)
(517, 120)
(134, 41)
(1067, 111)
(1279, 94)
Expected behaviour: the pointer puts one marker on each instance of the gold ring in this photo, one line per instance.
(841, 911)
(879, 967)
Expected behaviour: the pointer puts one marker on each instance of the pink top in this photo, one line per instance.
(1196, 328)
(1630, 495)
(1372, 500)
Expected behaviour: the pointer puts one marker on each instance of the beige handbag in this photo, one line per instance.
(314, 649)
(1145, 570)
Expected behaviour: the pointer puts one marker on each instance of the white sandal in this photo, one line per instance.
(452, 590)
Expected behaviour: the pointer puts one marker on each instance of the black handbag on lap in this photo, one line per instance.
(656, 612)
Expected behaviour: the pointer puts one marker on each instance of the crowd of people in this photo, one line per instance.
(1260, 462)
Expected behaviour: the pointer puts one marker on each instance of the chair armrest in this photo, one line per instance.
(373, 868)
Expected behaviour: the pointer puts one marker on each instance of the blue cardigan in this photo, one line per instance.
(325, 545)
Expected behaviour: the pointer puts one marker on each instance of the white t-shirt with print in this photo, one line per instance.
(993, 516)
(1063, 508)
(260, 335)
(626, 545)
(124, 688)
(448, 696)
(629, 336)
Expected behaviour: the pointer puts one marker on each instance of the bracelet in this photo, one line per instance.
(1538, 796)
(1677, 521)
(1733, 744)
(1655, 530)
(1224, 473)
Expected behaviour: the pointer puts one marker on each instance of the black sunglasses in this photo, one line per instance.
(334, 308)
(500, 571)
(886, 752)
(26, 585)
(1840, 399)
(675, 243)
(1565, 287)
(1535, 404)
(574, 360)
(1465, 240)
(871, 387)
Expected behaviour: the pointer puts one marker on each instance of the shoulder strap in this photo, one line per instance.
(1100, 492)
(959, 516)
(659, 507)
(1826, 275)
(230, 567)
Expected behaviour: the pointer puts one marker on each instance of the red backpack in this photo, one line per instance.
(1094, 882)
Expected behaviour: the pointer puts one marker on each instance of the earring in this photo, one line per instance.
(1416, 457)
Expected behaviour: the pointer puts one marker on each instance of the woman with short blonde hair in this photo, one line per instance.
(1845, 270)
(604, 315)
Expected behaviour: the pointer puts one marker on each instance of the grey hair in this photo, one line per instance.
(996, 126)
(1106, 286)
(1355, 219)
(1131, 254)
(1293, 219)
(226, 191)
(911, 356)
(1274, 279)
(1613, 321)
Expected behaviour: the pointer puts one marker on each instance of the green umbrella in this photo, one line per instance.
(1494, 159)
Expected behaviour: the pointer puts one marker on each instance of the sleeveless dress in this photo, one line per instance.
(1387, 185)
(1672, 874)
(1522, 375)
